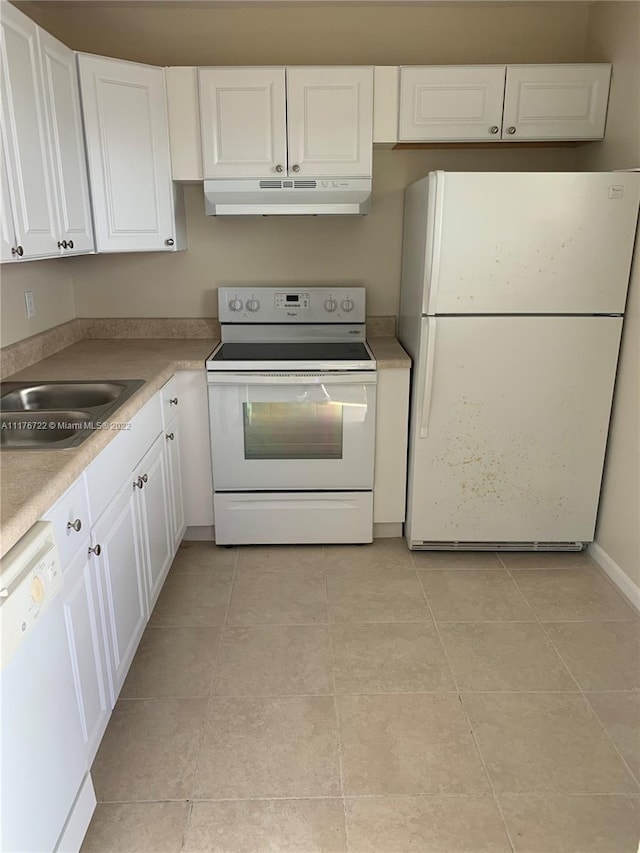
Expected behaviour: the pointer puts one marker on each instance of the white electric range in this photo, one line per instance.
(292, 397)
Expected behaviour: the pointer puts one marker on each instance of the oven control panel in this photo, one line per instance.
(291, 305)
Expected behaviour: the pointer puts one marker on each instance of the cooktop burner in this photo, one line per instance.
(282, 351)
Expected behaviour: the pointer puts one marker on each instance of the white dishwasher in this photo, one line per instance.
(43, 769)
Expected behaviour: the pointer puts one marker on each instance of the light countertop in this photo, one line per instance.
(32, 481)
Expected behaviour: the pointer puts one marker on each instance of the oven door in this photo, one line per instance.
(292, 431)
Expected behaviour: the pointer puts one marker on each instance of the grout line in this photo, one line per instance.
(470, 727)
(214, 672)
(582, 692)
(187, 825)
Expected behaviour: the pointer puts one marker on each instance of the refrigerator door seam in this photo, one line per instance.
(428, 388)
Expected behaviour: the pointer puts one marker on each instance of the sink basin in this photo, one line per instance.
(62, 395)
(56, 415)
(30, 430)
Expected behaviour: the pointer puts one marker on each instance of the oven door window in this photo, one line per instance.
(293, 430)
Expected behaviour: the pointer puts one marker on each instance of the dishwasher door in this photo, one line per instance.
(43, 762)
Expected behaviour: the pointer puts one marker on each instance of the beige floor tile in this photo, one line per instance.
(562, 824)
(425, 824)
(620, 715)
(285, 558)
(267, 826)
(400, 657)
(375, 595)
(546, 560)
(149, 750)
(545, 743)
(381, 554)
(481, 596)
(456, 560)
(193, 600)
(274, 660)
(559, 595)
(503, 656)
(600, 655)
(267, 597)
(203, 557)
(408, 744)
(136, 828)
(173, 662)
(269, 747)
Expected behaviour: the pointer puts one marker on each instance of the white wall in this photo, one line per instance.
(614, 36)
(52, 287)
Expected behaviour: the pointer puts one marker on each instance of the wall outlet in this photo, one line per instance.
(30, 304)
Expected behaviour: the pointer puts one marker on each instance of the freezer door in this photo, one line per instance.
(529, 243)
(508, 428)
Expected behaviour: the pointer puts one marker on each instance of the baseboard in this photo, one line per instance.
(202, 533)
(387, 529)
(615, 573)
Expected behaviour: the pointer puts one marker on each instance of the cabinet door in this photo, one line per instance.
(8, 242)
(128, 151)
(25, 136)
(330, 121)
(154, 516)
(242, 116)
(85, 636)
(556, 101)
(121, 583)
(172, 449)
(451, 103)
(62, 104)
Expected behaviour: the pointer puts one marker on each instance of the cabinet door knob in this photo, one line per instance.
(170, 436)
(62, 244)
(139, 483)
(17, 250)
(296, 168)
(279, 168)
(95, 550)
(75, 525)
(173, 401)
(494, 128)
(169, 241)
(70, 244)
(511, 130)
(145, 478)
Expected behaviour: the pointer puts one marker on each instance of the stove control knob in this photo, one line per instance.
(252, 304)
(236, 304)
(330, 304)
(347, 304)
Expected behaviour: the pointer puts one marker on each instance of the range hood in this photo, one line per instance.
(287, 196)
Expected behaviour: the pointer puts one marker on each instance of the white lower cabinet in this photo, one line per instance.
(176, 498)
(153, 513)
(122, 584)
(390, 471)
(85, 636)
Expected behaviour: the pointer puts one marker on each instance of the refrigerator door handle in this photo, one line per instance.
(428, 382)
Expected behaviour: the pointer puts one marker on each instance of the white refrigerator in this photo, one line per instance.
(513, 291)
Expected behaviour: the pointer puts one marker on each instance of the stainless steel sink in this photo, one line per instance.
(57, 415)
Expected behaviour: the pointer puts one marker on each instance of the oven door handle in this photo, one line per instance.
(269, 378)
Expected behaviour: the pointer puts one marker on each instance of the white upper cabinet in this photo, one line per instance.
(330, 121)
(69, 167)
(127, 138)
(243, 120)
(556, 101)
(441, 103)
(25, 138)
(515, 103)
(8, 241)
(270, 122)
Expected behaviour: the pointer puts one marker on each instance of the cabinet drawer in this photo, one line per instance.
(170, 401)
(107, 473)
(71, 511)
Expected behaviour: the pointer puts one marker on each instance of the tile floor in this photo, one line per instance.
(370, 699)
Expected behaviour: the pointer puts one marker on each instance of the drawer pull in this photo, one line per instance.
(145, 478)
(139, 483)
(173, 401)
(170, 436)
(95, 550)
(75, 525)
